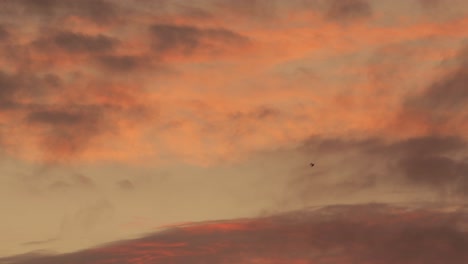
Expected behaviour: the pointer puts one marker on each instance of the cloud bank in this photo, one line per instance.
(372, 233)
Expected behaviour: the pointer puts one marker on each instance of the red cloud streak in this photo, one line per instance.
(373, 233)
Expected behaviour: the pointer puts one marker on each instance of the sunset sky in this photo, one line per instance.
(122, 118)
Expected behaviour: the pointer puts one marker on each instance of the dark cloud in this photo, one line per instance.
(195, 13)
(67, 129)
(409, 147)
(266, 112)
(23, 258)
(438, 161)
(429, 3)
(373, 233)
(124, 63)
(9, 87)
(64, 126)
(435, 162)
(449, 94)
(65, 117)
(4, 33)
(428, 145)
(336, 145)
(172, 37)
(434, 170)
(187, 39)
(344, 10)
(97, 11)
(74, 42)
(254, 9)
(260, 113)
(15, 87)
(44, 7)
(444, 103)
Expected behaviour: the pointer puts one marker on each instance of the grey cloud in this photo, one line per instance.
(434, 170)
(100, 11)
(187, 39)
(344, 10)
(97, 11)
(63, 129)
(429, 3)
(32, 256)
(260, 113)
(223, 34)
(445, 101)
(74, 42)
(44, 7)
(4, 33)
(335, 145)
(432, 145)
(414, 146)
(24, 86)
(264, 10)
(433, 161)
(170, 37)
(254, 9)
(67, 117)
(447, 94)
(195, 13)
(124, 63)
(69, 128)
(437, 162)
(9, 87)
(265, 112)
(371, 233)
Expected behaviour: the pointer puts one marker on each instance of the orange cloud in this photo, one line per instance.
(251, 90)
(227, 67)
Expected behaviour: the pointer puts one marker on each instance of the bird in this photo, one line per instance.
(312, 164)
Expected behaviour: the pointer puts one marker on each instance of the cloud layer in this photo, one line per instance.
(372, 233)
(131, 114)
(111, 62)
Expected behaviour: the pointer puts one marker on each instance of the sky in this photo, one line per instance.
(143, 131)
